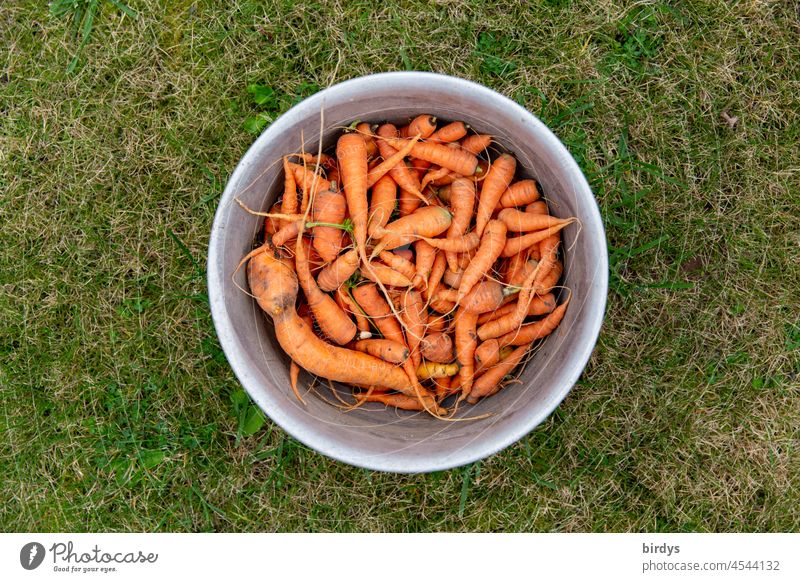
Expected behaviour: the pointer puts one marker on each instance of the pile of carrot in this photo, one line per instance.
(427, 269)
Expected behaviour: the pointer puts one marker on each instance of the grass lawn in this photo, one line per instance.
(118, 410)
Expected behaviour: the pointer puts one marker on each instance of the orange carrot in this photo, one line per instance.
(415, 318)
(401, 173)
(546, 285)
(462, 201)
(425, 222)
(536, 330)
(517, 244)
(520, 193)
(453, 279)
(388, 164)
(538, 207)
(366, 131)
(348, 305)
(374, 305)
(449, 133)
(309, 182)
(351, 151)
(458, 160)
(490, 382)
(407, 202)
(386, 350)
(286, 233)
(328, 207)
(487, 354)
(485, 296)
(437, 270)
(378, 272)
(437, 347)
(549, 251)
(540, 305)
(333, 322)
(436, 323)
(440, 305)
(384, 198)
(491, 246)
(422, 125)
(289, 203)
(476, 144)
(435, 173)
(519, 221)
(425, 255)
(497, 180)
(398, 263)
(513, 320)
(401, 401)
(459, 244)
(334, 274)
(465, 342)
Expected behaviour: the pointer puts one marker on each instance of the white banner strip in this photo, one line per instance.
(400, 557)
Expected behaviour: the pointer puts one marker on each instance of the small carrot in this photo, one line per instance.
(374, 305)
(407, 202)
(458, 160)
(517, 244)
(415, 318)
(492, 243)
(333, 322)
(485, 296)
(465, 342)
(334, 274)
(348, 305)
(453, 279)
(490, 382)
(400, 401)
(425, 254)
(422, 125)
(449, 133)
(459, 244)
(476, 144)
(386, 350)
(514, 319)
(546, 285)
(309, 182)
(384, 199)
(401, 173)
(351, 151)
(436, 323)
(286, 233)
(434, 174)
(289, 203)
(440, 305)
(538, 207)
(497, 180)
(437, 347)
(366, 131)
(520, 193)
(398, 263)
(329, 207)
(386, 166)
(462, 202)
(536, 330)
(540, 305)
(487, 354)
(519, 221)
(429, 221)
(437, 270)
(378, 272)
(548, 249)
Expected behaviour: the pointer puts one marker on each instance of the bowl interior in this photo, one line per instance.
(372, 436)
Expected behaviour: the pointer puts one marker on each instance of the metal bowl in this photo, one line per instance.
(374, 437)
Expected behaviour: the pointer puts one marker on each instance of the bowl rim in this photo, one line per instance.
(349, 454)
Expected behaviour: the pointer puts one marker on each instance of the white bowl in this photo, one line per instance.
(374, 437)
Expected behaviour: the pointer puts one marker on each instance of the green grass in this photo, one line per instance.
(118, 410)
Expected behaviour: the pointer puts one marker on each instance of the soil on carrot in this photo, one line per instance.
(118, 410)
